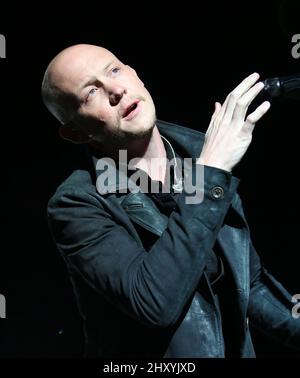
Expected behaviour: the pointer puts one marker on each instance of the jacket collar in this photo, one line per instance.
(184, 141)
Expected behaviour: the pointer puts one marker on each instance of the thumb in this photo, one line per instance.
(217, 107)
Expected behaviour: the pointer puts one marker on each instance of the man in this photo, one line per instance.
(155, 275)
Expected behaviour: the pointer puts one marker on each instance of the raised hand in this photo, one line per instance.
(229, 134)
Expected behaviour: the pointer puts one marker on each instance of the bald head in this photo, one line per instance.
(62, 75)
(96, 97)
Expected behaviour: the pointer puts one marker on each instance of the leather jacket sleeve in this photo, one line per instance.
(152, 287)
(270, 305)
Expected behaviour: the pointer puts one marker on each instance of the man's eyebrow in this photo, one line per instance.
(92, 79)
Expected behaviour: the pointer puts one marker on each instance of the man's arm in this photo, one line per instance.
(270, 305)
(154, 286)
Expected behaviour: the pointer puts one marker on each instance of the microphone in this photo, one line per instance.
(286, 87)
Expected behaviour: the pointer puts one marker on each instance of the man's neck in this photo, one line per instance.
(149, 154)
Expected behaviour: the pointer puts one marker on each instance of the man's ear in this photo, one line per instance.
(133, 70)
(72, 134)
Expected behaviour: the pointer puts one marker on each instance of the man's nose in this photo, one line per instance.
(115, 93)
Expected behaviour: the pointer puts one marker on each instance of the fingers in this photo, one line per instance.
(231, 100)
(245, 85)
(211, 127)
(236, 104)
(244, 101)
(257, 115)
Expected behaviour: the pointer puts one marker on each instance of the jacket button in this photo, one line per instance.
(217, 192)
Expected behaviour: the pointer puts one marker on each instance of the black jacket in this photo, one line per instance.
(157, 301)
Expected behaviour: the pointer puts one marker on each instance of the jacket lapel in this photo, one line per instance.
(143, 211)
(234, 244)
(233, 239)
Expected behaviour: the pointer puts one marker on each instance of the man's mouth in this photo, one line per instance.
(130, 108)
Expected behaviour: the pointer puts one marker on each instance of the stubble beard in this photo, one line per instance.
(120, 139)
(124, 137)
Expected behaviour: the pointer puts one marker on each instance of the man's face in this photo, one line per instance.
(111, 99)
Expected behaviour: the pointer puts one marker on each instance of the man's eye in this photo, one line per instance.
(92, 92)
(115, 70)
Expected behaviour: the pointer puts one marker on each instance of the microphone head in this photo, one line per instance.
(278, 88)
(272, 88)
(286, 87)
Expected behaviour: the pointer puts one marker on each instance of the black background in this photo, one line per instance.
(189, 55)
